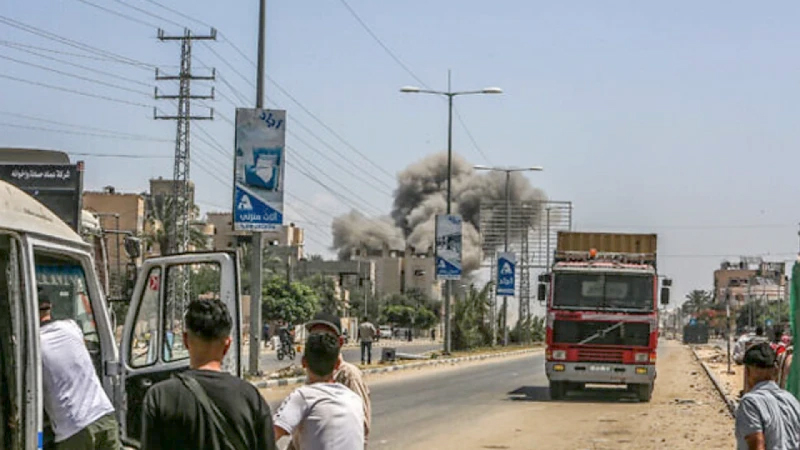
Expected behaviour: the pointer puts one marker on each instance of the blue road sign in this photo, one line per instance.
(769, 322)
(506, 273)
(448, 247)
(692, 321)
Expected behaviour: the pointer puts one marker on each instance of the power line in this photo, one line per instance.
(178, 13)
(76, 92)
(71, 75)
(90, 69)
(114, 155)
(411, 73)
(131, 136)
(119, 14)
(333, 192)
(76, 133)
(330, 177)
(72, 43)
(148, 13)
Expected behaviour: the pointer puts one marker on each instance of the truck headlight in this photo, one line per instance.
(642, 357)
(560, 355)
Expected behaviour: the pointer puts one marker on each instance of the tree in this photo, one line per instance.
(160, 224)
(696, 301)
(325, 288)
(288, 302)
(412, 309)
(471, 327)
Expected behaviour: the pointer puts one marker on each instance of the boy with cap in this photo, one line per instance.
(768, 417)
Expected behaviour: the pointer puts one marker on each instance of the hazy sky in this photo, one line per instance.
(677, 118)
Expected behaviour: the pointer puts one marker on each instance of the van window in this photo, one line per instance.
(144, 341)
(62, 280)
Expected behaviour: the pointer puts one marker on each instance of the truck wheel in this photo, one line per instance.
(557, 390)
(644, 392)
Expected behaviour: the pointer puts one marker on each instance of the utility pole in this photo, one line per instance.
(181, 203)
(181, 210)
(256, 278)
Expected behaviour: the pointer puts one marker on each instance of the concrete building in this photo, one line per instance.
(750, 279)
(287, 242)
(399, 270)
(120, 212)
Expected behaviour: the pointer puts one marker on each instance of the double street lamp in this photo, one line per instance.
(450, 94)
(508, 171)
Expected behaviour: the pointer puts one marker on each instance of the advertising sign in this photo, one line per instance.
(59, 187)
(506, 273)
(259, 169)
(448, 247)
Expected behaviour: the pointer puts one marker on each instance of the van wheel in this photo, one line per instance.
(644, 392)
(557, 390)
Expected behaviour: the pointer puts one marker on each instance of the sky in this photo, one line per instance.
(677, 118)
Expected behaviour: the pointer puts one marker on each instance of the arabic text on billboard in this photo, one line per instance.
(448, 247)
(56, 186)
(259, 169)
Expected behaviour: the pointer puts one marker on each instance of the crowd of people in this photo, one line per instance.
(205, 407)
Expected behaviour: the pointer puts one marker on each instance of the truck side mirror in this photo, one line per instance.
(544, 278)
(541, 293)
(664, 295)
(133, 247)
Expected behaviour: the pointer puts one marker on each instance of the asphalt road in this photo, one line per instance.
(415, 410)
(270, 363)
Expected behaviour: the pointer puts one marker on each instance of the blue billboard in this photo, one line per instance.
(506, 273)
(259, 169)
(448, 247)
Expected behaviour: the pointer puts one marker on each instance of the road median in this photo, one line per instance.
(456, 358)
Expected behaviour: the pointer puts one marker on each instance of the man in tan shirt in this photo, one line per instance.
(347, 374)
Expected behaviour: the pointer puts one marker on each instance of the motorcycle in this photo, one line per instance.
(286, 349)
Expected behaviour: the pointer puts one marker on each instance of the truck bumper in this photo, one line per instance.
(600, 373)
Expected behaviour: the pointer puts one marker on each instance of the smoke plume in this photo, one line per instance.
(421, 194)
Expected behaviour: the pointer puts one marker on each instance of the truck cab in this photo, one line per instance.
(41, 253)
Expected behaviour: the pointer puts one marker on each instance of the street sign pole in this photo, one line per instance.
(448, 262)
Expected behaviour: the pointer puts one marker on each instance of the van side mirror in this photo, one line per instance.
(544, 278)
(133, 247)
(664, 295)
(541, 293)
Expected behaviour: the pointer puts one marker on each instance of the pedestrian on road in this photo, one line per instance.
(265, 334)
(366, 333)
(324, 414)
(347, 374)
(80, 412)
(204, 407)
(768, 417)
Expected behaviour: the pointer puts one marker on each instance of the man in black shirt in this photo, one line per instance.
(175, 417)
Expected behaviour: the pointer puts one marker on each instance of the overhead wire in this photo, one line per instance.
(119, 14)
(71, 75)
(75, 91)
(148, 13)
(411, 73)
(75, 133)
(132, 136)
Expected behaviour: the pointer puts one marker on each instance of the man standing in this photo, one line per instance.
(346, 374)
(768, 418)
(205, 407)
(366, 332)
(79, 409)
(322, 415)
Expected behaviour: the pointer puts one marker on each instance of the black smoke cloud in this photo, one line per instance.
(420, 195)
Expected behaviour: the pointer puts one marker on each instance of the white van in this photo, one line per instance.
(39, 251)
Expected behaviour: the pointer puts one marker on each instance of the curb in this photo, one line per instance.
(433, 362)
(730, 403)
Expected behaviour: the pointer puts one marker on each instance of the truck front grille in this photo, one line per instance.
(599, 355)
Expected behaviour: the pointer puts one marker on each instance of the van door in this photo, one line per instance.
(152, 347)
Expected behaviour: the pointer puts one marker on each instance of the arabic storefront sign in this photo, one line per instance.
(56, 186)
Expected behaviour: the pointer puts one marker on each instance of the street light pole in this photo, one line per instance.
(507, 236)
(449, 94)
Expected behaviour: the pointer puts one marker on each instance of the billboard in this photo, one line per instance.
(259, 169)
(59, 187)
(448, 247)
(506, 273)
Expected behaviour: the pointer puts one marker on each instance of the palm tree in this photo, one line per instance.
(159, 224)
(471, 327)
(697, 300)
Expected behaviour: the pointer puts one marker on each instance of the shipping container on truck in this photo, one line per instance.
(602, 312)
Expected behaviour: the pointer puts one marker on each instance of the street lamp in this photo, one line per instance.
(508, 171)
(450, 94)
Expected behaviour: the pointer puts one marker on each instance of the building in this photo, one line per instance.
(287, 242)
(120, 214)
(750, 279)
(398, 271)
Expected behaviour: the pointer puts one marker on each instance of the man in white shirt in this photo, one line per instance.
(323, 415)
(80, 412)
(366, 332)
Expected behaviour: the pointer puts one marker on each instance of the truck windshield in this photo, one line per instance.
(603, 291)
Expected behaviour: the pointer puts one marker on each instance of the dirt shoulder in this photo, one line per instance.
(685, 413)
(716, 358)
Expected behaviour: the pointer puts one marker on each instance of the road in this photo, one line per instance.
(505, 404)
(270, 363)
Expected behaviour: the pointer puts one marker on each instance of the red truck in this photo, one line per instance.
(602, 312)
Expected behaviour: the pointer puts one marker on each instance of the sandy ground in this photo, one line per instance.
(715, 357)
(685, 413)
